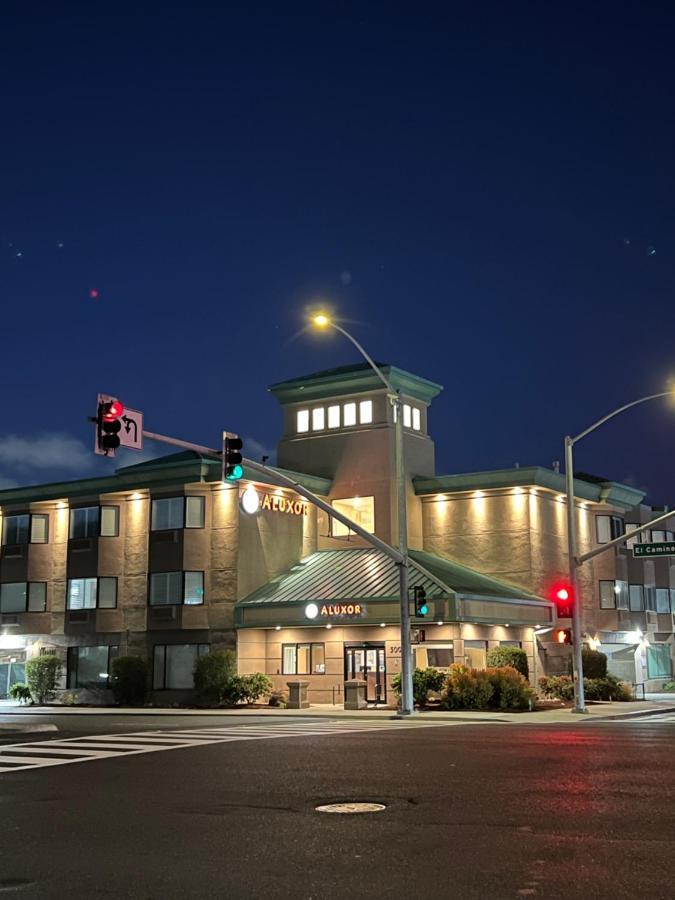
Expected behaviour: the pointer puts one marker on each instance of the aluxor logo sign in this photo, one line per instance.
(252, 501)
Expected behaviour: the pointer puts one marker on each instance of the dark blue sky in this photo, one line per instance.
(485, 192)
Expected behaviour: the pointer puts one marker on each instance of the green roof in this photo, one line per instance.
(354, 379)
(610, 492)
(367, 574)
(186, 467)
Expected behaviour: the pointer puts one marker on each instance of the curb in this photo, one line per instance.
(640, 713)
(25, 729)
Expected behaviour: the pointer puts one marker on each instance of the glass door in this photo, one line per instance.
(367, 663)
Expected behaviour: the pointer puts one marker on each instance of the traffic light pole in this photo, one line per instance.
(577, 661)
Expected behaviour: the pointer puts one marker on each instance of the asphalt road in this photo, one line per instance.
(472, 811)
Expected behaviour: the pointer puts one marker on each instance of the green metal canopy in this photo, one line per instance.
(367, 576)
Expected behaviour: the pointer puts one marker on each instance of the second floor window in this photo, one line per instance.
(92, 593)
(94, 521)
(359, 509)
(608, 528)
(29, 528)
(171, 513)
(176, 589)
(22, 596)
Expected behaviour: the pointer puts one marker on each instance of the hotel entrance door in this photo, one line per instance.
(366, 662)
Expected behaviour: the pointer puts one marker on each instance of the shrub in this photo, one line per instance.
(213, 672)
(594, 663)
(669, 686)
(510, 688)
(254, 686)
(424, 680)
(277, 698)
(499, 657)
(467, 689)
(20, 692)
(42, 674)
(129, 681)
(561, 687)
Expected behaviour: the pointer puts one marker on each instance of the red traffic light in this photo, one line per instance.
(562, 594)
(112, 411)
(563, 597)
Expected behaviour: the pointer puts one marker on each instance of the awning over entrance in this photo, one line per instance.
(360, 586)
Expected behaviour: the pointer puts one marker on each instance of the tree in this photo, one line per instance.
(214, 672)
(42, 675)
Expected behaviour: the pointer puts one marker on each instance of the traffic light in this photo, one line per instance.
(421, 605)
(108, 425)
(563, 635)
(563, 597)
(232, 458)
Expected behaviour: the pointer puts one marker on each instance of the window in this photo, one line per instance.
(650, 597)
(475, 653)
(632, 541)
(659, 664)
(407, 415)
(658, 537)
(333, 416)
(621, 591)
(26, 528)
(318, 418)
(303, 659)
(89, 667)
(22, 596)
(608, 594)
(302, 420)
(416, 419)
(636, 597)
(172, 513)
(94, 521)
(90, 593)
(366, 412)
(439, 656)
(662, 600)
(174, 665)
(359, 509)
(349, 414)
(176, 588)
(608, 528)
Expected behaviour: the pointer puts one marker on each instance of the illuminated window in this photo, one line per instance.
(90, 593)
(318, 418)
(359, 509)
(608, 528)
(366, 412)
(662, 600)
(416, 419)
(303, 420)
(303, 659)
(475, 654)
(349, 414)
(407, 415)
(333, 416)
(438, 656)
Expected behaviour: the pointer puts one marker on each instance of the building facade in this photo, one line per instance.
(164, 560)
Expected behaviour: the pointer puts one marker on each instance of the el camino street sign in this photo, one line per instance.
(666, 548)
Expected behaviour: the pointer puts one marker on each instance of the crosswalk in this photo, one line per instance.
(41, 754)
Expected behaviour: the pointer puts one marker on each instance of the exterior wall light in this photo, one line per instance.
(311, 611)
(250, 501)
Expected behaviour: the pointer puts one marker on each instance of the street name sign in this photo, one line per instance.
(663, 548)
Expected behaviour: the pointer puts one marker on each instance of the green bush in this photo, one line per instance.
(42, 675)
(20, 692)
(424, 680)
(561, 687)
(467, 689)
(129, 680)
(510, 688)
(254, 686)
(669, 686)
(499, 657)
(277, 698)
(594, 663)
(213, 673)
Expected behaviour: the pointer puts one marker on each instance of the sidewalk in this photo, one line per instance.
(543, 717)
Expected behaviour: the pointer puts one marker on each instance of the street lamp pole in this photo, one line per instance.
(573, 558)
(407, 699)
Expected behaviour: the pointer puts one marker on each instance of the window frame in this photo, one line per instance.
(311, 645)
(99, 528)
(202, 650)
(351, 406)
(660, 591)
(616, 525)
(366, 419)
(347, 531)
(300, 415)
(183, 573)
(640, 608)
(334, 411)
(614, 592)
(29, 531)
(74, 653)
(27, 598)
(318, 418)
(416, 418)
(184, 515)
(97, 604)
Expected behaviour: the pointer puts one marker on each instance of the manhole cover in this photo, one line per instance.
(351, 808)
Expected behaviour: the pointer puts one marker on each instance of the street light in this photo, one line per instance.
(578, 668)
(322, 320)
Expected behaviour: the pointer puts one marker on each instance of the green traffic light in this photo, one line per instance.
(424, 609)
(234, 473)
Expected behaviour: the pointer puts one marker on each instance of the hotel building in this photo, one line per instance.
(164, 560)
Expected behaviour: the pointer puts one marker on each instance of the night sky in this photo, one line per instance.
(484, 192)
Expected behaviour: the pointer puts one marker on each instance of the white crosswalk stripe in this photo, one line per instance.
(41, 754)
